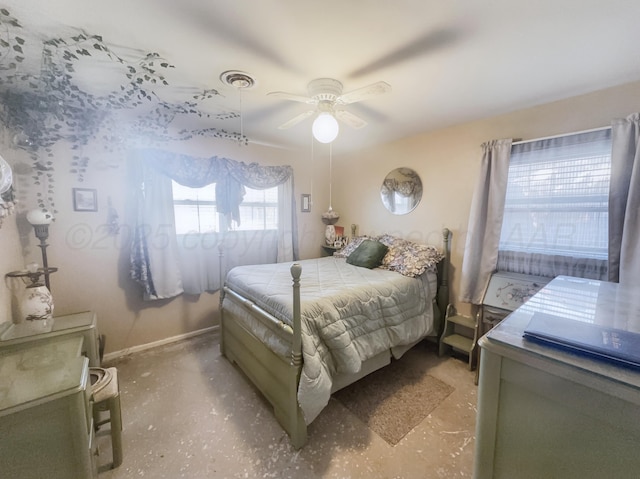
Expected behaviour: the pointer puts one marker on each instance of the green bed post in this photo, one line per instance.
(296, 347)
(297, 426)
(222, 276)
(443, 290)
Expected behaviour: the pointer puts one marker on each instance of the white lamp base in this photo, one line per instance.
(36, 309)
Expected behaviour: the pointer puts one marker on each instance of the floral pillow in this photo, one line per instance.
(351, 247)
(408, 258)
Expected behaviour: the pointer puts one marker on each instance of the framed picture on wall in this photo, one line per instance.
(85, 199)
(306, 203)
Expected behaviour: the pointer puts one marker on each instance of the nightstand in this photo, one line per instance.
(83, 325)
(329, 250)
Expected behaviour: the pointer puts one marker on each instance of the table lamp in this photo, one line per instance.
(40, 220)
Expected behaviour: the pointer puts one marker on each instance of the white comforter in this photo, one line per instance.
(349, 314)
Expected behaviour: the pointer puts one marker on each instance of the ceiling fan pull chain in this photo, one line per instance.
(330, 174)
(312, 158)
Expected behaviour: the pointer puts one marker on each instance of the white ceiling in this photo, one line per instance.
(447, 61)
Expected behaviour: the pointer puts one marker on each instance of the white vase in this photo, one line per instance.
(330, 234)
(36, 309)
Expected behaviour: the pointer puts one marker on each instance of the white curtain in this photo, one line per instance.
(166, 264)
(199, 255)
(287, 224)
(624, 201)
(198, 260)
(154, 249)
(485, 221)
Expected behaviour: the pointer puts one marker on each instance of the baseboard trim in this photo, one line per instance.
(143, 347)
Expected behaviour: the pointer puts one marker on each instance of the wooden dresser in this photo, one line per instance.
(14, 337)
(46, 421)
(545, 412)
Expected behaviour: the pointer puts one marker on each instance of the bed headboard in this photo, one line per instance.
(442, 298)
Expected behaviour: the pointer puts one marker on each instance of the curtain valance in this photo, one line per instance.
(230, 176)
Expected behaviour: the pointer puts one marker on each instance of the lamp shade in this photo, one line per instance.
(325, 128)
(39, 217)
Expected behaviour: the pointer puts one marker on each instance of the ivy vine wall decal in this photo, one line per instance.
(51, 91)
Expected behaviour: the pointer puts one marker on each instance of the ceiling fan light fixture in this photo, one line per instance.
(325, 128)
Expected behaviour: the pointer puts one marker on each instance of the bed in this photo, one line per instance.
(305, 330)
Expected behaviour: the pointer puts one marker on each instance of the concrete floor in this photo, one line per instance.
(189, 413)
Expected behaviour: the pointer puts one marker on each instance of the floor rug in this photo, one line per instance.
(394, 400)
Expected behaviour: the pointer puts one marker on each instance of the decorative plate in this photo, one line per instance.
(6, 176)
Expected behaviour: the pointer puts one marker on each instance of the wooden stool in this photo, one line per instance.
(105, 393)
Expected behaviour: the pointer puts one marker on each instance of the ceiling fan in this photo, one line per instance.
(325, 94)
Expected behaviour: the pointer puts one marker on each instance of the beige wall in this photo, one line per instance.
(93, 267)
(10, 260)
(448, 163)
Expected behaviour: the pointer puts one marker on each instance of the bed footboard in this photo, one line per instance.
(275, 376)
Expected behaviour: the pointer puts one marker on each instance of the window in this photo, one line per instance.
(195, 210)
(557, 198)
(259, 210)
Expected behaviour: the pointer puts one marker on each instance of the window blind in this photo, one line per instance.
(557, 196)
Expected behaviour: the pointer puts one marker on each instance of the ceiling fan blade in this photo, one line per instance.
(364, 93)
(430, 41)
(296, 119)
(221, 22)
(290, 96)
(350, 119)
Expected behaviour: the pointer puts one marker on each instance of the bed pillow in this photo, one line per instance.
(409, 258)
(351, 247)
(368, 255)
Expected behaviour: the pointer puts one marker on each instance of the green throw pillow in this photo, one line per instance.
(368, 255)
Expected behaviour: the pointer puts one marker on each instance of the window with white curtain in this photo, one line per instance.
(556, 203)
(195, 210)
(201, 230)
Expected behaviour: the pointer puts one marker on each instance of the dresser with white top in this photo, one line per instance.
(547, 412)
